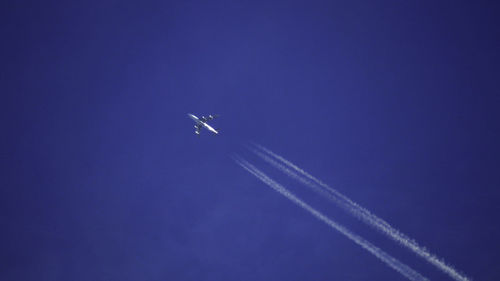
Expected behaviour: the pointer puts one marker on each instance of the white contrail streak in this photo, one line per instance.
(347, 204)
(383, 256)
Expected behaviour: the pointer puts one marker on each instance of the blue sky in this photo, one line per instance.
(393, 104)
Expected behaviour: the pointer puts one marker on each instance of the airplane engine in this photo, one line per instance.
(196, 126)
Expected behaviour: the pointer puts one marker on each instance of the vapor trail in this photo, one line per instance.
(383, 256)
(363, 214)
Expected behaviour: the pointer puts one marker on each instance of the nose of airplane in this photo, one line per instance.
(195, 119)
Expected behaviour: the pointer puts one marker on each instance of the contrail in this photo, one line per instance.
(383, 256)
(363, 214)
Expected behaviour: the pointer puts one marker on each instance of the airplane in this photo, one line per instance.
(202, 123)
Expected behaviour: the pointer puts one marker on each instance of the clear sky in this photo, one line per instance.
(394, 104)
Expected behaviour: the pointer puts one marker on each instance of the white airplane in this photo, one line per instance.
(202, 123)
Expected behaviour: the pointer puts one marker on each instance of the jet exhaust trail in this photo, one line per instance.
(347, 204)
(383, 256)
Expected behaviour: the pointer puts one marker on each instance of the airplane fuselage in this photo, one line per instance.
(201, 123)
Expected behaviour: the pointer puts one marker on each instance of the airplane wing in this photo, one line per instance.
(210, 117)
